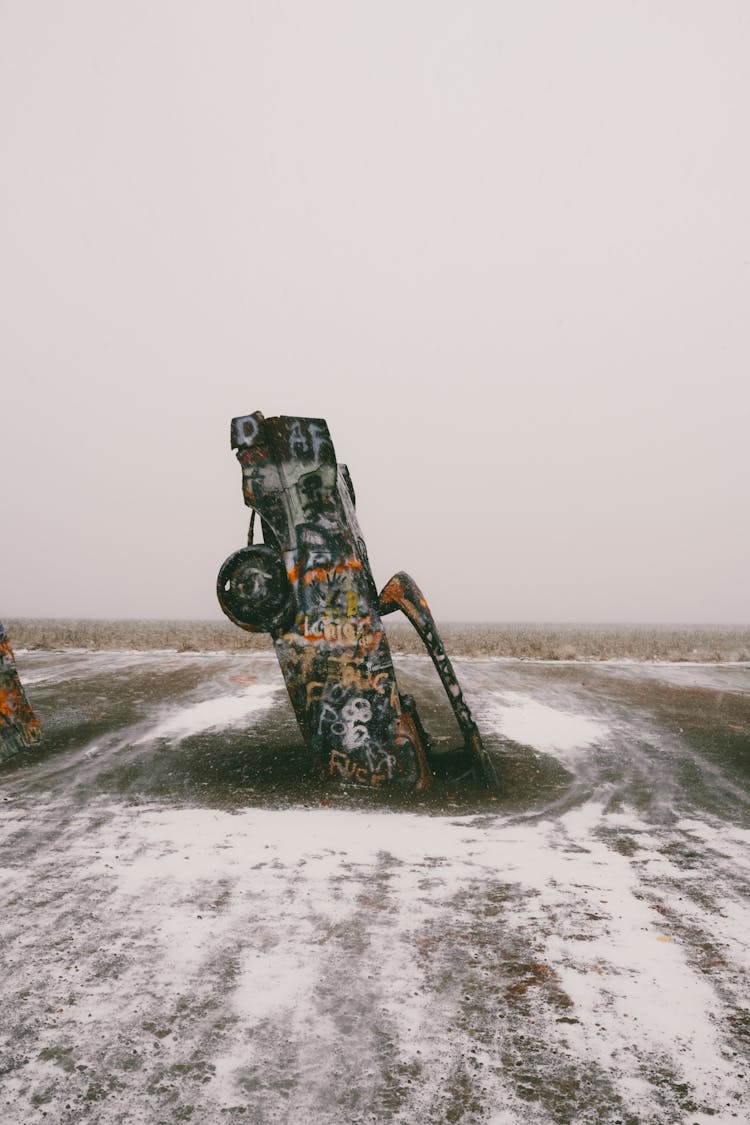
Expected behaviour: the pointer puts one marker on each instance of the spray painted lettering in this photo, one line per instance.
(309, 585)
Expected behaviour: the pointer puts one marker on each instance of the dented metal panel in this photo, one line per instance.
(19, 726)
(310, 586)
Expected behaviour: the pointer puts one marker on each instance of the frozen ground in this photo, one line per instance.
(193, 929)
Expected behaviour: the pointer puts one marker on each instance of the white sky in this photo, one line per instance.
(504, 248)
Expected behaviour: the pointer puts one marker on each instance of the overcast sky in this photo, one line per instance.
(502, 247)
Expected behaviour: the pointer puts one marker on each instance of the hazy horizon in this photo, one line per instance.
(503, 249)
(399, 619)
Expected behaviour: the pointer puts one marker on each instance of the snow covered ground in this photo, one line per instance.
(193, 929)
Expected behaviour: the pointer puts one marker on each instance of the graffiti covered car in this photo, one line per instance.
(19, 726)
(309, 585)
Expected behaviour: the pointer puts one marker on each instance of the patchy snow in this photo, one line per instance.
(525, 720)
(218, 713)
(327, 935)
(584, 962)
(52, 667)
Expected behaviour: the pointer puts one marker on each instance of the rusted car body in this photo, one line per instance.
(19, 726)
(310, 586)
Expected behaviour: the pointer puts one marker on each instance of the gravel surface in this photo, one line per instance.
(194, 928)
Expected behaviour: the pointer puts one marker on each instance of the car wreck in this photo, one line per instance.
(19, 726)
(309, 585)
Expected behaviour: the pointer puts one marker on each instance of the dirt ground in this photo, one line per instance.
(194, 928)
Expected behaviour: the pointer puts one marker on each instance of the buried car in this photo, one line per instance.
(309, 585)
(19, 726)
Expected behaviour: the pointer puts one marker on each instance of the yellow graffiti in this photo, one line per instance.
(343, 766)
